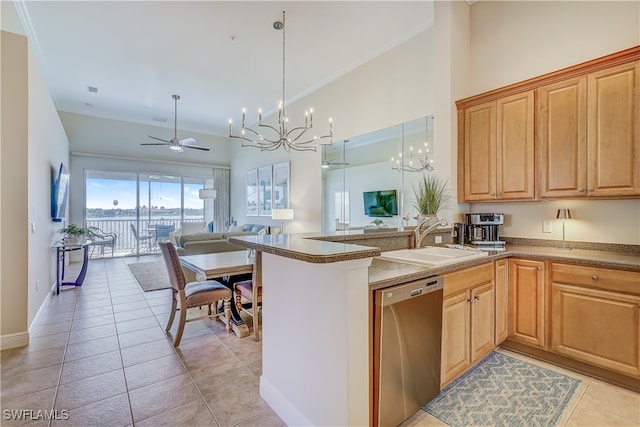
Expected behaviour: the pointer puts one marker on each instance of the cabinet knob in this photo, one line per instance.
(539, 268)
(470, 301)
(476, 298)
(595, 277)
(499, 193)
(492, 194)
(581, 190)
(590, 190)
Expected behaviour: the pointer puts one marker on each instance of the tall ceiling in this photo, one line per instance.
(219, 56)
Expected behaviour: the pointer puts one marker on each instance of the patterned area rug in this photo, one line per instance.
(151, 276)
(503, 391)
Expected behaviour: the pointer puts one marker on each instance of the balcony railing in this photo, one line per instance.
(126, 242)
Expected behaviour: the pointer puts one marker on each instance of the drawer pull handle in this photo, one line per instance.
(595, 277)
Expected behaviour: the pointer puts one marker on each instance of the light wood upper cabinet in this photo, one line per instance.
(613, 137)
(570, 133)
(526, 302)
(589, 135)
(562, 138)
(499, 149)
(604, 302)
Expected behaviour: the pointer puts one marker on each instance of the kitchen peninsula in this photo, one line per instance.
(317, 358)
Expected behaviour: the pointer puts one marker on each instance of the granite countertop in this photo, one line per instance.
(301, 248)
(383, 273)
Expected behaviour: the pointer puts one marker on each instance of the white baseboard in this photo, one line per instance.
(281, 406)
(19, 339)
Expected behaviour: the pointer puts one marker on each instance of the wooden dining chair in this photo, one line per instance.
(251, 290)
(192, 294)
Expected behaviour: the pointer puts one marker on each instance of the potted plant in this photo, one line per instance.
(72, 232)
(431, 195)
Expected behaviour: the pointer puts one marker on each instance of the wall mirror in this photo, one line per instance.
(355, 168)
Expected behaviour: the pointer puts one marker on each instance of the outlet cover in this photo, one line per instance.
(546, 227)
(438, 239)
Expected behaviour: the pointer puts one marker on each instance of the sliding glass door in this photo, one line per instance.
(142, 208)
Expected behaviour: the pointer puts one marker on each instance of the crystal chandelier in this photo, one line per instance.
(414, 162)
(288, 138)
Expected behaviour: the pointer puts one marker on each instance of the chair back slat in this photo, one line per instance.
(174, 268)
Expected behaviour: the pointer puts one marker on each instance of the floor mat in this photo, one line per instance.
(503, 391)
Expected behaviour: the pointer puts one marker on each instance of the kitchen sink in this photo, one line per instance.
(432, 255)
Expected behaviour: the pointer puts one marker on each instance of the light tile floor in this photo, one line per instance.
(100, 353)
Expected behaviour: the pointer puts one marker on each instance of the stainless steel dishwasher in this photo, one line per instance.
(408, 324)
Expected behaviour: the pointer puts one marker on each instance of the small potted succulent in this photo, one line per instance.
(71, 233)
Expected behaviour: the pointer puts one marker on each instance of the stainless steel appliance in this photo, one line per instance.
(408, 339)
(481, 230)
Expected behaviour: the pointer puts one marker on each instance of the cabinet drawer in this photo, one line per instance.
(466, 279)
(597, 277)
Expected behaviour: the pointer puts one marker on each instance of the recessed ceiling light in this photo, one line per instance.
(92, 89)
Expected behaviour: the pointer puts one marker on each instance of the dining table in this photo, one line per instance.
(223, 266)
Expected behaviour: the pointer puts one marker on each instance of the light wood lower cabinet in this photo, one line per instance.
(467, 320)
(595, 316)
(502, 300)
(526, 302)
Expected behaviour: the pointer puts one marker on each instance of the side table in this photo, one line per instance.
(61, 249)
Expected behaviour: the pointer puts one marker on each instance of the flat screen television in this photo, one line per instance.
(59, 193)
(380, 203)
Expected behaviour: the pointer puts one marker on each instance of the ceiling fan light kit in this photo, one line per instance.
(176, 144)
(289, 139)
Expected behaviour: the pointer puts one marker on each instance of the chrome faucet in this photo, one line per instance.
(418, 236)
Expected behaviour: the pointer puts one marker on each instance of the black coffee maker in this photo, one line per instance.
(481, 230)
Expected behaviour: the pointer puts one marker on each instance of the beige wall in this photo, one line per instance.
(13, 190)
(513, 41)
(33, 145)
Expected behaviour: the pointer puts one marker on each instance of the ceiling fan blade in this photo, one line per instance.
(197, 147)
(155, 143)
(188, 141)
(159, 139)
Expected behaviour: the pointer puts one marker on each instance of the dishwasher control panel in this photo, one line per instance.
(409, 290)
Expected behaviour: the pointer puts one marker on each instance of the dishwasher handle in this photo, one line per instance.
(407, 291)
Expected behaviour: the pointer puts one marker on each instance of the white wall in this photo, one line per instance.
(123, 139)
(391, 89)
(48, 147)
(513, 41)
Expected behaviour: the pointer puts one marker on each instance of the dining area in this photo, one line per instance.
(223, 285)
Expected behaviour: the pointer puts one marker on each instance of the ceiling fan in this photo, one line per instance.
(175, 143)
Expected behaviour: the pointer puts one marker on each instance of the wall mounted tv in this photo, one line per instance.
(59, 192)
(380, 203)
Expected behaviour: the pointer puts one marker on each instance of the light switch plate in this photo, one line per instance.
(546, 227)
(438, 239)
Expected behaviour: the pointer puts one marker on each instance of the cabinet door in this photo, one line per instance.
(562, 139)
(502, 299)
(482, 322)
(455, 337)
(480, 152)
(526, 302)
(597, 327)
(613, 139)
(515, 175)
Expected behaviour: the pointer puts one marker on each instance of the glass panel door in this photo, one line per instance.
(111, 206)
